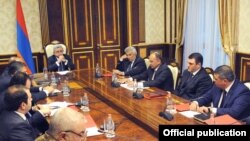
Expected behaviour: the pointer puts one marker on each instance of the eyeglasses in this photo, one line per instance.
(82, 134)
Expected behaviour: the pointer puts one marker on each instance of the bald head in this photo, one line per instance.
(66, 119)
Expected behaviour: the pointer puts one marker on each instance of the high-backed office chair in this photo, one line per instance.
(49, 48)
(247, 83)
(173, 66)
(210, 72)
(146, 62)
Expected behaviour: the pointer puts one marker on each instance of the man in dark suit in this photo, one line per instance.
(195, 81)
(14, 124)
(157, 75)
(12, 59)
(130, 63)
(228, 96)
(38, 93)
(59, 61)
(13, 67)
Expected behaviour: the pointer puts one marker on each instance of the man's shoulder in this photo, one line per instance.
(45, 137)
(9, 118)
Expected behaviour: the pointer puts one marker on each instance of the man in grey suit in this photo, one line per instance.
(195, 81)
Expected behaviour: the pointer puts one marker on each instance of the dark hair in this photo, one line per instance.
(197, 57)
(225, 72)
(19, 78)
(14, 67)
(14, 96)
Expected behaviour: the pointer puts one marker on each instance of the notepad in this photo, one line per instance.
(182, 107)
(91, 126)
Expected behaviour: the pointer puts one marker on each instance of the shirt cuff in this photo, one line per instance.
(41, 113)
(140, 84)
(40, 88)
(66, 62)
(57, 63)
(47, 93)
(213, 110)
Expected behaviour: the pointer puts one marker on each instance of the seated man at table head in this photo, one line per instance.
(157, 75)
(59, 61)
(14, 124)
(130, 63)
(66, 125)
(228, 96)
(195, 81)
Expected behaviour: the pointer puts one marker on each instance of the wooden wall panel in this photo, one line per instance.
(37, 58)
(83, 60)
(109, 56)
(242, 66)
(166, 50)
(55, 20)
(81, 23)
(109, 27)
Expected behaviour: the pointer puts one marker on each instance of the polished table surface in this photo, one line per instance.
(136, 119)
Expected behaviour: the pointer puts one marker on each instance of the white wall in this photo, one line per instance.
(8, 25)
(244, 27)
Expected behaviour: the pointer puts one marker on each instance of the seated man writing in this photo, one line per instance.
(228, 96)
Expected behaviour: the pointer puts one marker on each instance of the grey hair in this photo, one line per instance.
(130, 49)
(56, 47)
(64, 119)
(225, 72)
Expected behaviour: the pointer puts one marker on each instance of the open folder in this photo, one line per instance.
(155, 95)
(223, 120)
(182, 107)
(218, 120)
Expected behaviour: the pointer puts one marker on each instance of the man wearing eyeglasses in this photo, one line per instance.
(59, 61)
(66, 125)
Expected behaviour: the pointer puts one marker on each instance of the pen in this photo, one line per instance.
(54, 107)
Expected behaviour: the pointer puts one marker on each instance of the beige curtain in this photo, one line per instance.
(229, 27)
(181, 17)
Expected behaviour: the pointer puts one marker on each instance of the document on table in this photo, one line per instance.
(130, 88)
(189, 114)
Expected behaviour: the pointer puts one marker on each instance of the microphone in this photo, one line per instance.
(115, 84)
(166, 115)
(246, 120)
(137, 95)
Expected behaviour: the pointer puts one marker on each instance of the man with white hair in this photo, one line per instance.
(66, 125)
(130, 63)
(59, 61)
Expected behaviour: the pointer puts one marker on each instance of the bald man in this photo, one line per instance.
(66, 125)
(157, 75)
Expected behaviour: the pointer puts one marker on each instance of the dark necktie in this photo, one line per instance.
(61, 68)
(224, 94)
(129, 67)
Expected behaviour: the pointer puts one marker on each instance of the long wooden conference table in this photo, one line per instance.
(135, 119)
